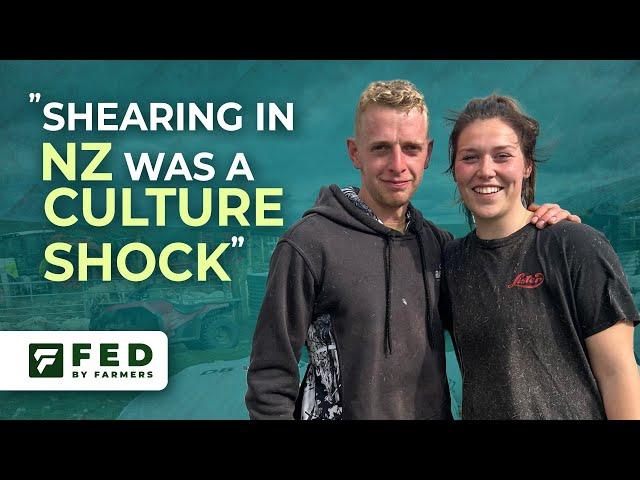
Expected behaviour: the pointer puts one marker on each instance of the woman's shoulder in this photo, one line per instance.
(572, 231)
(579, 238)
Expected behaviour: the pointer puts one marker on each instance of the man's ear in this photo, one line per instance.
(429, 151)
(352, 148)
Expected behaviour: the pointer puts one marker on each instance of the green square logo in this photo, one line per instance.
(45, 360)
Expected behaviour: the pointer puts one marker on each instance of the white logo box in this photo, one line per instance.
(15, 360)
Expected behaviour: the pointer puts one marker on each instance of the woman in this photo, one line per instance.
(542, 320)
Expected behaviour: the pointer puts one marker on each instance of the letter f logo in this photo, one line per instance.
(45, 360)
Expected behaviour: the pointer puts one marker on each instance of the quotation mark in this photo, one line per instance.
(34, 97)
(237, 241)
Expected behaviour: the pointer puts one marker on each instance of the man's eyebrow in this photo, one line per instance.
(410, 143)
(380, 143)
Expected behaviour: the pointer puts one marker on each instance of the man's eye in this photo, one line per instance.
(377, 148)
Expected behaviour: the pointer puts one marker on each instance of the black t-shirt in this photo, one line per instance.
(519, 309)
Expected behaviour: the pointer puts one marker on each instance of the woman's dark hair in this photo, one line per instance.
(507, 110)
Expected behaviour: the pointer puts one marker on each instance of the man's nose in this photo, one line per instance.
(397, 162)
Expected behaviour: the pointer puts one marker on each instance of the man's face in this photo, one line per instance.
(391, 151)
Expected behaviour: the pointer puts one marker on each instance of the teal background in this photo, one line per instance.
(589, 112)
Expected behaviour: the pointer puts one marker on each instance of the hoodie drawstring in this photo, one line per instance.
(387, 310)
(427, 293)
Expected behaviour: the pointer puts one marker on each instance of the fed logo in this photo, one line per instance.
(46, 360)
(83, 360)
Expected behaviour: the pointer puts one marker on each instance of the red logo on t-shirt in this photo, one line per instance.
(523, 280)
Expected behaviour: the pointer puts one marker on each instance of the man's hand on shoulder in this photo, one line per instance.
(550, 213)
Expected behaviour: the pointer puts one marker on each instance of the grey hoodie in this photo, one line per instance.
(377, 290)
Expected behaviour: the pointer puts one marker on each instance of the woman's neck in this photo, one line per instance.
(503, 226)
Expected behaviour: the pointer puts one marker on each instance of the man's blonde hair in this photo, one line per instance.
(397, 94)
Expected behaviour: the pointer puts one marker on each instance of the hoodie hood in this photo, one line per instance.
(333, 204)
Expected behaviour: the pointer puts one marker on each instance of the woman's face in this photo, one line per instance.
(489, 169)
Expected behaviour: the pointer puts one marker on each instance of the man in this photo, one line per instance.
(358, 280)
